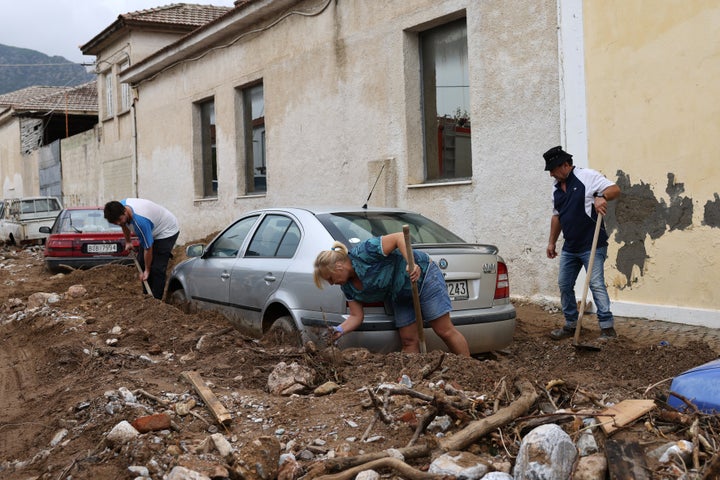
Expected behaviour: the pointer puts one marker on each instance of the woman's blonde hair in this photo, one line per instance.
(326, 260)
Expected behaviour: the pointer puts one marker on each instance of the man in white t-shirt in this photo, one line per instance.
(156, 228)
(578, 196)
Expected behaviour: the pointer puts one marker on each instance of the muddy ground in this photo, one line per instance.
(62, 364)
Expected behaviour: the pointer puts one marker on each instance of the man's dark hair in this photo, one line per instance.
(113, 211)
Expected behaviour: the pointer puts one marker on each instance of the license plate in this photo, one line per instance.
(457, 289)
(102, 248)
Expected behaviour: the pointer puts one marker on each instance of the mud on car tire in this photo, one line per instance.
(283, 332)
(179, 299)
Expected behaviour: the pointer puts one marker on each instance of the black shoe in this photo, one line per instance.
(608, 333)
(561, 333)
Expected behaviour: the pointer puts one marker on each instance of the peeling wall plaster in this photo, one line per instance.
(639, 216)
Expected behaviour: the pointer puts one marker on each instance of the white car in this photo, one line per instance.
(259, 273)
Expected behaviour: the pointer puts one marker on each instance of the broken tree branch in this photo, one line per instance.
(478, 428)
(400, 467)
(341, 463)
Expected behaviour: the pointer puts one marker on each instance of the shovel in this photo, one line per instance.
(416, 295)
(578, 326)
(137, 264)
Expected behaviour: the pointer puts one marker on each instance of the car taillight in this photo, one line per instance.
(502, 284)
(57, 248)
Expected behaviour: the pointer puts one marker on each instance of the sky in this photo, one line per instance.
(59, 27)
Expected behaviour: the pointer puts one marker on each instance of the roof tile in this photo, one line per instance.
(177, 14)
(81, 98)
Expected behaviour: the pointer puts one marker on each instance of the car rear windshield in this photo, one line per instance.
(354, 227)
(79, 221)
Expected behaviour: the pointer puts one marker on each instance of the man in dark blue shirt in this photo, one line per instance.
(578, 196)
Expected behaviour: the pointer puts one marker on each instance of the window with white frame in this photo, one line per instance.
(446, 101)
(109, 94)
(253, 115)
(206, 178)
(125, 98)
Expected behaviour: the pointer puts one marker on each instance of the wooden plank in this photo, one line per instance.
(623, 413)
(625, 460)
(218, 410)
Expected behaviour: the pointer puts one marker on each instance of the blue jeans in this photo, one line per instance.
(570, 265)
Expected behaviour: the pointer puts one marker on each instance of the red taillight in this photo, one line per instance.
(58, 247)
(502, 284)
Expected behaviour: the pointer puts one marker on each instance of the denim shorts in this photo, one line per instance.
(434, 300)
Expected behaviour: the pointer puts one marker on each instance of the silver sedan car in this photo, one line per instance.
(258, 272)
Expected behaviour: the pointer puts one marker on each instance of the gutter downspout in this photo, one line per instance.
(134, 146)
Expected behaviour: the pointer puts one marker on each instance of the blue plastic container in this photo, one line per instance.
(700, 385)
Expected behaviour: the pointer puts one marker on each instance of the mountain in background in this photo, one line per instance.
(22, 67)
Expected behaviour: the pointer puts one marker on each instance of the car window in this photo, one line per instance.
(77, 221)
(27, 206)
(228, 244)
(277, 236)
(353, 228)
(289, 242)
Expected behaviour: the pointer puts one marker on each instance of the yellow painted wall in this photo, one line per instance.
(654, 126)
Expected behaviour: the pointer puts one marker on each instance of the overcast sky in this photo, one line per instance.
(59, 27)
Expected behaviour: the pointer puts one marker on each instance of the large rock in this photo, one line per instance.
(546, 453)
(289, 379)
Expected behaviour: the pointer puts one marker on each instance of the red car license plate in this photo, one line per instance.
(102, 248)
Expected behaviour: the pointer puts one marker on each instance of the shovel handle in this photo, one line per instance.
(588, 272)
(145, 282)
(416, 295)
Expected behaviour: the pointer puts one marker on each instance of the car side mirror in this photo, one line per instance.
(195, 250)
(44, 229)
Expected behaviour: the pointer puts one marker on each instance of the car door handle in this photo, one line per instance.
(225, 275)
(269, 277)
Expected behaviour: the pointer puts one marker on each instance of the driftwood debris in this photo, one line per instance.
(342, 463)
(398, 466)
(349, 467)
(218, 409)
(478, 428)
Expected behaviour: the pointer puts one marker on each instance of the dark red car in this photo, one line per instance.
(82, 238)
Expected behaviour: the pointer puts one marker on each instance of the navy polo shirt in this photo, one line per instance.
(576, 208)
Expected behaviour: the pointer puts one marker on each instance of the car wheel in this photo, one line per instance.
(179, 299)
(283, 332)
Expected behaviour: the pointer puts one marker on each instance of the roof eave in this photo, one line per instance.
(238, 20)
(121, 26)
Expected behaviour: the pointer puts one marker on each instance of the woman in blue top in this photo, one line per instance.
(376, 270)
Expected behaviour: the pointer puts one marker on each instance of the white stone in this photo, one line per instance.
(463, 465)
(127, 395)
(122, 433)
(367, 475)
(546, 453)
(182, 473)
(139, 470)
(586, 443)
(221, 444)
(497, 476)
(441, 424)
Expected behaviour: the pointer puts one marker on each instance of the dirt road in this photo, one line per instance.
(66, 363)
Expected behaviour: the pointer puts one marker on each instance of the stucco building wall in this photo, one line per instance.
(80, 173)
(342, 98)
(19, 173)
(653, 127)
